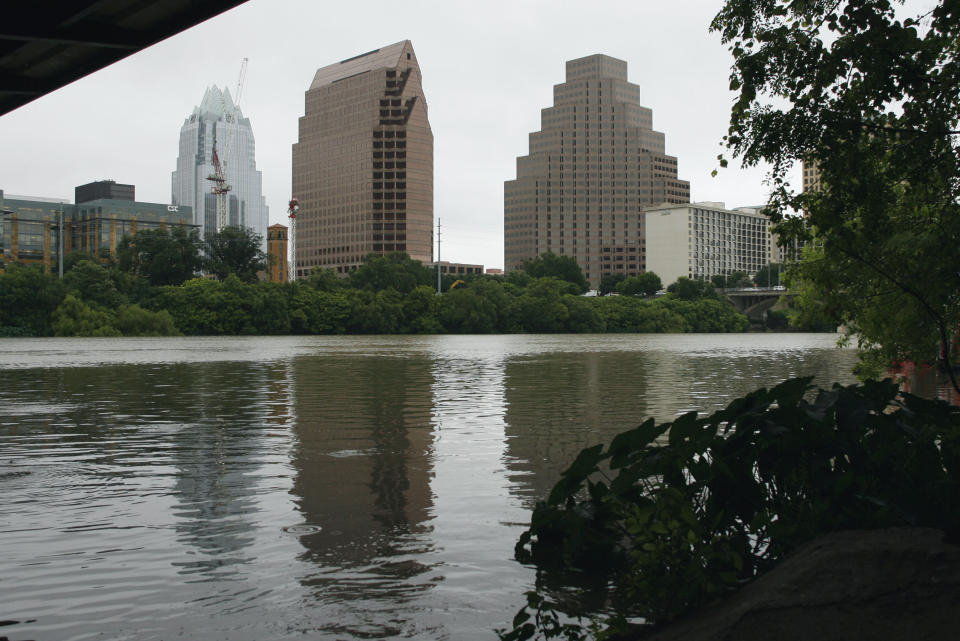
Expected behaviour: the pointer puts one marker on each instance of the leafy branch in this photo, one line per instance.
(671, 516)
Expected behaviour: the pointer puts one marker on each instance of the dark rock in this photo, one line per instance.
(869, 585)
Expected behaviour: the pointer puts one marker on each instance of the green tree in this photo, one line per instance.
(541, 308)
(162, 256)
(630, 286)
(550, 265)
(871, 95)
(28, 298)
(377, 312)
(72, 258)
(207, 307)
(646, 284)
(325, 280)
(133, 320)
(91, 282)
(75, 318)
(650, 283)
(420, 311)
(467, 311)
(707, 314)
(738, 279)
(234, 250)
(770, 275)
(632, 315)
(517, 278)
(582, 315)
(502, 296)
(689, 289)
(395, 270)
(318, 312)
(608, 283)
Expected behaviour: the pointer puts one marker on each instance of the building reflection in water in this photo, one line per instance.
(217, 455)
(558, 403)
(200, 424)
(362, 471)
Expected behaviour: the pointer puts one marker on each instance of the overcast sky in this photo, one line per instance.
(488, 69)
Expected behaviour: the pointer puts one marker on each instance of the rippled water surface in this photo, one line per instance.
(320, 487)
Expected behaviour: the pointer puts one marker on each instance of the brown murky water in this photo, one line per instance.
(317, 487)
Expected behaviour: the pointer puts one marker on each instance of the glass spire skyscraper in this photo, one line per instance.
(219, 121)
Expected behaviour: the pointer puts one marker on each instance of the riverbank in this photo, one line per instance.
(92, 301)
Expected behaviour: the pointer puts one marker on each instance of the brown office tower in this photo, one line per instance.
(592, 168)
(363, 163)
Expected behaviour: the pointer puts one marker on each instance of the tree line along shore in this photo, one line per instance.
(153, 288)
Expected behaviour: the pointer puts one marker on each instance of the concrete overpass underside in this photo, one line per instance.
(46, 45)
(755, 303)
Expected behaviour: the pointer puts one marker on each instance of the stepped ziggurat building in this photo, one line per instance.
(363, 163)
(593, 168)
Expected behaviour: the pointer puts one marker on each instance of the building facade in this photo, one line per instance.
(591, 171)
(811, 176)
(363, 163)
(219, 121)
(457, 269)
(277, 239)
(110, 189)
(30, 228)
(701, 240)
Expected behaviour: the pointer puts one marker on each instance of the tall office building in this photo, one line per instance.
(593, 168)
(363, 162)
(218, 120)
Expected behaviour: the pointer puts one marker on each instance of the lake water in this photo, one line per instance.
(318, 487)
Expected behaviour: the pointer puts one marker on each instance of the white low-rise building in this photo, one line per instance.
(701, 240)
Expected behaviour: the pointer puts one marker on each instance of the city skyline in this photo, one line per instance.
(481, 111)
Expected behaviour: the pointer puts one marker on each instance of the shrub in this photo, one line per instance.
(652, 529)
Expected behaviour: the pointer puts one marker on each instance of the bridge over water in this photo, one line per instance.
(754, 302)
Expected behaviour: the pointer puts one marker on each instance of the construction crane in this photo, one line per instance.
(292, 209)
(218, 177)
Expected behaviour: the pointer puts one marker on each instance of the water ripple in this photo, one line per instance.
(318, 487)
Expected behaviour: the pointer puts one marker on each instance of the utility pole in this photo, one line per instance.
(438, 257)
(60, 242)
